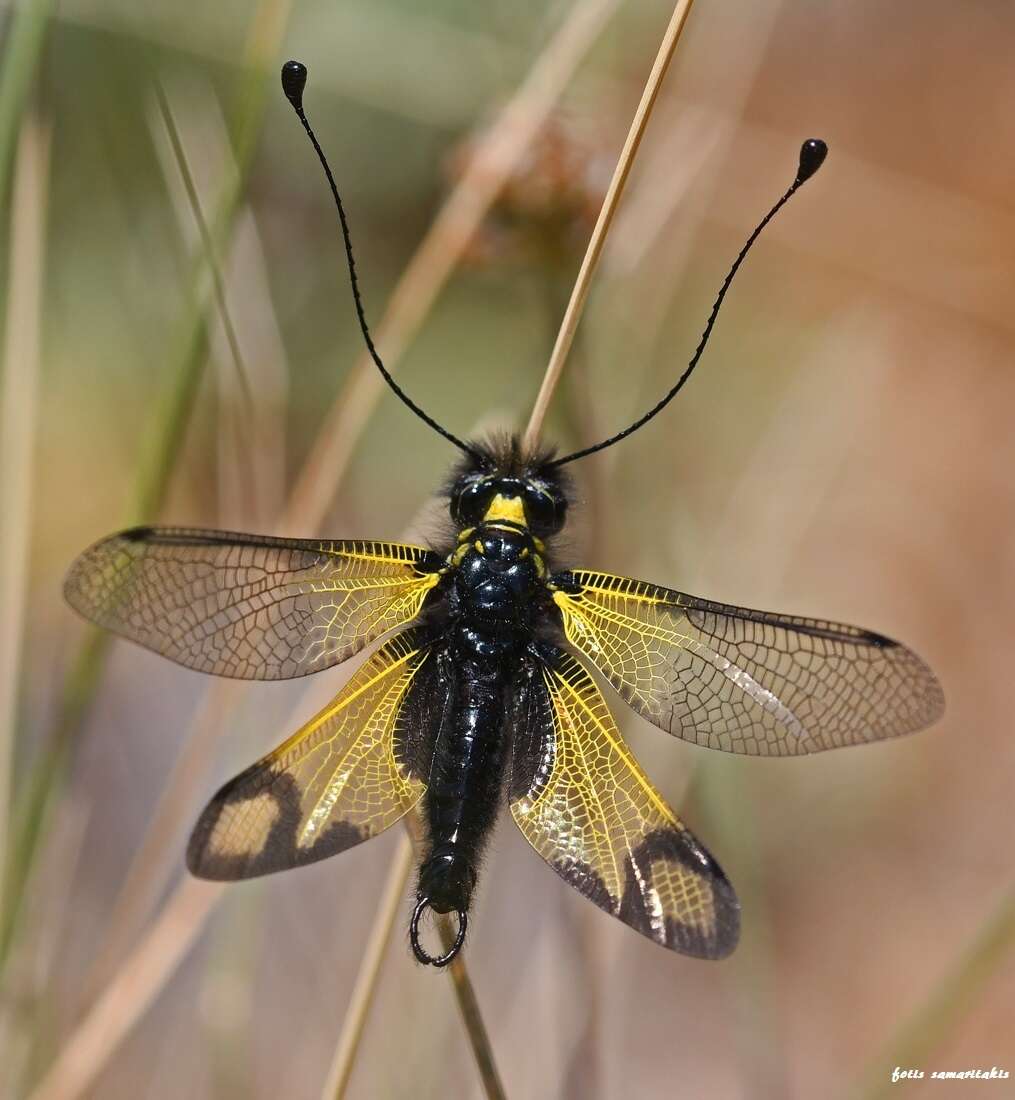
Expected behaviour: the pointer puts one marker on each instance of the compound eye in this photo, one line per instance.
(545, 513)
(469, 504)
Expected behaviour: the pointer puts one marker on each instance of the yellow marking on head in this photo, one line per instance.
(509, 508)
(524, 554)
(479, 546)
(540, 565)
(465, 534)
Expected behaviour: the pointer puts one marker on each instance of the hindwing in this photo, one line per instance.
(581, 800)
(349, 773)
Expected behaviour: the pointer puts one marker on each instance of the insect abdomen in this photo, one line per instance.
(464, 790)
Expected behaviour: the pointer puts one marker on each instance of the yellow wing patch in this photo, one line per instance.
(745, 681)
(379, 589)
(593, 815)
(341, 779)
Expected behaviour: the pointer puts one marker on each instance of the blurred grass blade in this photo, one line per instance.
(137, 983)
(472, 1018)
(207, 245)
(25, 33)
(30, 1004)
(155, 468)
(949, 1002)
(238, 381)
(366, 979)
(18, 412)
(153, 863)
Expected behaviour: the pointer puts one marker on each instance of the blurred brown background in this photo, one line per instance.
(845, 451)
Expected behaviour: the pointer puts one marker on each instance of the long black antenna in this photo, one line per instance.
(812, 155)
(294, 80)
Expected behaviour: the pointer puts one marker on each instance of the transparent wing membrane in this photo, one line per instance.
(245, 606)
(349, 773)
(745, 681)
(583, 803)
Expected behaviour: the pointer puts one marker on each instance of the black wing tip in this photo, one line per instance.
(278, 849)
(72, 587)
(720, 941)
(134, 534)
(199, 864)
(727, 917)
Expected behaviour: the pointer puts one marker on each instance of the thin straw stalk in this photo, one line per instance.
(374, 951)
(442, 248)
(565, 337)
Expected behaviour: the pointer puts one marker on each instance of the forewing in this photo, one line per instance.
(246, 606)
(745, 681)
(348, 774)
(581, 800)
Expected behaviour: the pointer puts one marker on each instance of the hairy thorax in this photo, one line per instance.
(498, 570)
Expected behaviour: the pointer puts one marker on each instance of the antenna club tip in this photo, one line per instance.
(294, 80)
(812, 156)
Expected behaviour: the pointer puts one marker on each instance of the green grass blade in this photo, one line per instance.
(26, 33)
(47, 772)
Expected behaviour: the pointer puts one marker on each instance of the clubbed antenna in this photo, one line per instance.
(812, 156)
(294, 81)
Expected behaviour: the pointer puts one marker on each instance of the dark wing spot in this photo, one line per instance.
(587, 882)
(260, 848)
(715, 934)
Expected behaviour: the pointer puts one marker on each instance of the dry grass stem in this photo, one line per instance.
(135, 986)
(27, 1001)
(443, 246)
(565, 337)
(155, 861)
(18, 409)
(207, 244)
(472, 1018)
(369, 971)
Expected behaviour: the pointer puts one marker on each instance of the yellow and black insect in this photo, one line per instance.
(482, 690)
